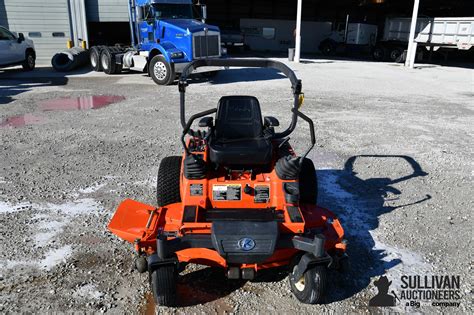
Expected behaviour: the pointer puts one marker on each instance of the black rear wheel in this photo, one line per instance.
(396, 54)
(311, 287)
(328, 48)
(30, 61)
(95, 52)
(163, 285)
(379, 53)
(107, 61)
(308, 183)
(167, 187)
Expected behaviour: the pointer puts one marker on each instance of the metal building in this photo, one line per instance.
(107, 10)
(52, 23)
(46, 22)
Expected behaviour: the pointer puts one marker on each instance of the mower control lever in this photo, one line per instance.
(297, 88)
(285, 141)
(187, 128)
(269, 121)
(206, 122)
(311, 130)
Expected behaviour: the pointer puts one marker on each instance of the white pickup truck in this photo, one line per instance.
(16, 50)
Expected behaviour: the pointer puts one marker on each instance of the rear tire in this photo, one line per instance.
(107, 61)
(163, 285)
(161, 71)
(30, 61)
(308, 183)
(311, 287)
(168, 182)
(328, 48)
(95, 53)
(396, 54)
(379, 53)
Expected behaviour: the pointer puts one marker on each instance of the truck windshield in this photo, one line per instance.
(173, 11)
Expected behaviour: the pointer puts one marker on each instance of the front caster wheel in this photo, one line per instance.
(163, 284)
(311, 287)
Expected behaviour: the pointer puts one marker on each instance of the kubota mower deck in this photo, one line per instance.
(239, 198)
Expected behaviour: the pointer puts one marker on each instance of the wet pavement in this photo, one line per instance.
(80, 103)
(21, 121)
(88, 102)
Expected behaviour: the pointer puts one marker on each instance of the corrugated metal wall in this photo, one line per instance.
(48, 22)
(38, 20)
(107, 10)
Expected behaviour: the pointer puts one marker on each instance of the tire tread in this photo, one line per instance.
(168, 181)
(308, 183)
(163, 281)
(315, 285)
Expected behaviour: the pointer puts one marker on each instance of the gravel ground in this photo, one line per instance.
(394, 159)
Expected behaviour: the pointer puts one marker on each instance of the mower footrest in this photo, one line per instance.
(166, 248)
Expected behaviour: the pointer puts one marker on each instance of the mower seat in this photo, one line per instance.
(238, 138)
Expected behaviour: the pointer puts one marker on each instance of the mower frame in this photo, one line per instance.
(281, 230)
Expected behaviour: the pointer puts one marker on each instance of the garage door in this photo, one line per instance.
(45, 22)
(107, 10)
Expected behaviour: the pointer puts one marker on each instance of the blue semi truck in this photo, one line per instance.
(165, 37)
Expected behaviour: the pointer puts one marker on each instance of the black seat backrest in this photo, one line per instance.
(238, 117)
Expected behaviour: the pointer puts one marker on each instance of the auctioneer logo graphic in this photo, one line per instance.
(382, 298)
(417, 290)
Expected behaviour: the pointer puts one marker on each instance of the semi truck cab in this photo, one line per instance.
(166, 36)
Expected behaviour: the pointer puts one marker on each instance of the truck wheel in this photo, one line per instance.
(379, 53)
(395, 54)
(107, 61)
(95, 52)
(168, 182)
(328, 48)
(30, 61)
(161, 71)
(163, 285)
(308, 183)
(311, 287)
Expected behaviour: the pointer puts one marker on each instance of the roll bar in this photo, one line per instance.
(248, 63)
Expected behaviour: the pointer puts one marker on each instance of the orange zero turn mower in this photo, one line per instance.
(239, 198)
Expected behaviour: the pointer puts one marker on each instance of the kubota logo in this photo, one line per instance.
(246, 244)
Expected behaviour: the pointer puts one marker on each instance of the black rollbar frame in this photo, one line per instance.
(296, 85)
